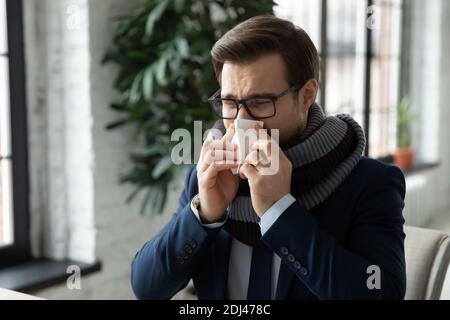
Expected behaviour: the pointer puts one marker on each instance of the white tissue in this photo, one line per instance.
(241, 126)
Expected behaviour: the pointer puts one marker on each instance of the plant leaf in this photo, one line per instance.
(157, 199)
(178, 5)
(149, 151)
(147, 83)
(147, 198)
(135, 91)
(182, 47)
(119, 107)
(133, 194)
(161, 71)
(154, 16)
(162, 166)
(117, 123)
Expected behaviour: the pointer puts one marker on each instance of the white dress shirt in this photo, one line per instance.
(241, 254)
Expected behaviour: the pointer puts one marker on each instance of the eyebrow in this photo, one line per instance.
(252, 96)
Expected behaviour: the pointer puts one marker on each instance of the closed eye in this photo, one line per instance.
(260, 102)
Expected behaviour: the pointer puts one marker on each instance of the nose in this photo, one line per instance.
(243, 114)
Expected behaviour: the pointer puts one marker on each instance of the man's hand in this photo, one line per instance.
(216, 184)
(266, 189)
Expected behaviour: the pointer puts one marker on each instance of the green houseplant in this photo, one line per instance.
(404, 155)
(165, 76)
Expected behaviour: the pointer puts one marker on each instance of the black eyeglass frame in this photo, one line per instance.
(243, 103)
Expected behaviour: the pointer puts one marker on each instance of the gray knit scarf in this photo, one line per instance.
(323, 157)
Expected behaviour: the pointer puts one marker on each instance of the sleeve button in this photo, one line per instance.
(179, 260)
(184, 255)
(304, 271)
(193, 243)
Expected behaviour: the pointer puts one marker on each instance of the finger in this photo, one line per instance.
(222, 145)
(205, 148)
(264, 160)
(201, 165)
(252, 158)
(264, 145)
(247, 171)
(220, 155)
(216, 167)
(229, 134)
(214, 145)
(257, 159)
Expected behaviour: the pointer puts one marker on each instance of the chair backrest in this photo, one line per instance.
(427, 255)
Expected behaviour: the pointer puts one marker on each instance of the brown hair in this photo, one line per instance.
(261, 35)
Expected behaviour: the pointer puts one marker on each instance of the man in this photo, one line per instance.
(327, 224)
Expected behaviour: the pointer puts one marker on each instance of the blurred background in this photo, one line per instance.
(91, 90)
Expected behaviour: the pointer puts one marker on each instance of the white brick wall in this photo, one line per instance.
(77, 205)
(60, 123)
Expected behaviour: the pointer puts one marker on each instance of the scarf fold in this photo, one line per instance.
(323, 156)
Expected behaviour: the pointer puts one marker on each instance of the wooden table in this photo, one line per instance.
(6, 294)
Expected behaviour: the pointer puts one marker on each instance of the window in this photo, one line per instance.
(305, 14)
(6, 223)
(359, 43)
(385, 77)
(14, 239)
(345, 57)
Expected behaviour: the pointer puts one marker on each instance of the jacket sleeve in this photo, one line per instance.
(375, 245)
(164, 265)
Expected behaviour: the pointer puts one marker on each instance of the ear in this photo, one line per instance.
(308, 93)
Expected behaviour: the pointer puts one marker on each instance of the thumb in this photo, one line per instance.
(248, 171)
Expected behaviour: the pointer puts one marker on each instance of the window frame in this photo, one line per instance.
(19, 251)
(19, 270)
(368, 61)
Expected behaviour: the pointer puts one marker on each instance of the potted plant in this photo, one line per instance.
(165, 75)
(404, 155)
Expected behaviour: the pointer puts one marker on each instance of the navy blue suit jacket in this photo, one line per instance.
(359, 225)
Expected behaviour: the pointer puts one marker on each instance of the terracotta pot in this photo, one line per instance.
(404, 158)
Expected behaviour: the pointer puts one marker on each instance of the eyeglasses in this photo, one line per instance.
(257, 107)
